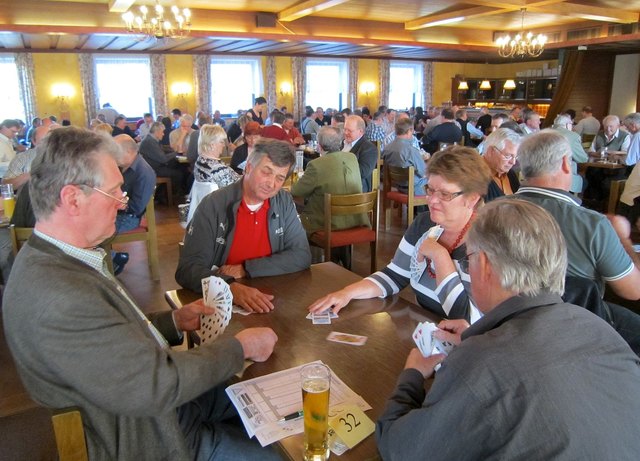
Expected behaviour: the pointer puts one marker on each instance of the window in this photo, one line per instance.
(327, 83)
(405, 85)
(125, 83)
(10, 103)
(235, 83)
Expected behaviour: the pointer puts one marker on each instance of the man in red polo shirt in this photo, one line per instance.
(248, 229)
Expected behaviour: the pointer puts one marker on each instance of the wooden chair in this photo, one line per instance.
(67, 426)
(175, 302)
(587, 139)
(19, 235)
(396, 175)
(342, 205)
(168, 186)
(226, 160)
(146, 232)
(617, 188)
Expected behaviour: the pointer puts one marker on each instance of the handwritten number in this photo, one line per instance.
(350, 426)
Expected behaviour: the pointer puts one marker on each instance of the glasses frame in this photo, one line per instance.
(124, 201)
(442, 195)
(507, 157)
(464, 262)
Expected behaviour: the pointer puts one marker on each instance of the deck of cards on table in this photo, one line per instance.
(427, 343)
(216, 294)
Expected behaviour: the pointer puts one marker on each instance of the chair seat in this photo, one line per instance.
(340, 238)
(404, 198)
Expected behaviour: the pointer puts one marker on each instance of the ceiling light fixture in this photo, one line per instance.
(510, 85)
(463, 85)
(485, 85)
(521, 45)
(154, 24)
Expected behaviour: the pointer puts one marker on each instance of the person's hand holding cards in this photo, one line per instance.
(425, 365)
(334, 301)
(450, 330)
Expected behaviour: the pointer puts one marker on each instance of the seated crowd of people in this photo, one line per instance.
(503, 253)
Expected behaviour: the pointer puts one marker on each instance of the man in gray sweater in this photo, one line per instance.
(79, 339)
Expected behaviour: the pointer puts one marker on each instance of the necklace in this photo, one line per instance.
(461, 235)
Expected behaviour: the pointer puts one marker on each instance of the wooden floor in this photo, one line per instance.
(25, 428)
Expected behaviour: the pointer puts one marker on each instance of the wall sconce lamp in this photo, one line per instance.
(285, 88)
(181, 90)
(62, 91)
(510, 85)
(367, 88)
(463, 85)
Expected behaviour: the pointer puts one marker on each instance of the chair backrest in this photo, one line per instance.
(67, 426)
(226, 160)
(398, 175)
(341, 205)
(616, 191)
(19, 235)
(199, 190)
(587, 138)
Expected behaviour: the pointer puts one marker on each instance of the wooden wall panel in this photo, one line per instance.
(593, 87)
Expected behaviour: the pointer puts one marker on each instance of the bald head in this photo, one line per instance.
(128, 150)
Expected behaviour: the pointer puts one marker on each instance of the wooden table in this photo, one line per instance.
(370, 370)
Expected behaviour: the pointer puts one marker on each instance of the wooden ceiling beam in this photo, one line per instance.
(120, 6)
(306, 8)
(591, 13)
(453, 16)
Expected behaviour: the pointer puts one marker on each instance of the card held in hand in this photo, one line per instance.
(216, 294)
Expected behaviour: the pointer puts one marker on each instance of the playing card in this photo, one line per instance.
(416, 268)
(322, 318)
(332, 315)
(346, 338)
(216, 294)
(427, 343)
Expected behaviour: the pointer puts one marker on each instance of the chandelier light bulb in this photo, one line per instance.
(154, 24)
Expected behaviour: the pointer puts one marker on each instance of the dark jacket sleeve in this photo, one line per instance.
(293, 254)
(198, 255)
(367, 160)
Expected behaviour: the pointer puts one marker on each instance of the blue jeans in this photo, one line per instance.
(126, 222)
(213, 430)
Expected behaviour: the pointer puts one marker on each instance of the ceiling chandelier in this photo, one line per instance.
(154, 24)
(521, 45)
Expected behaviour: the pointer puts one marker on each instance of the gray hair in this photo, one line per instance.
(67, 155)
(634, 118)
(611, 118)
(210, 134)
(500, 137)
(127, 145)
(330, 138)
(155, 127)
(541, 153)
(562, 121)
(529, 257)
(281, 153)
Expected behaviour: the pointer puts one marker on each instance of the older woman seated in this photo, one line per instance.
(209, 172)
(458, 180)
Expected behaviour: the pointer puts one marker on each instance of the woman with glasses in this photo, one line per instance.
(432, 256)
(209, 172)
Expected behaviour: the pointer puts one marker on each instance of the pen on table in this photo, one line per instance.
(295, 415)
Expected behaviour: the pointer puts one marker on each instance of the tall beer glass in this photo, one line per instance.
(316, 382)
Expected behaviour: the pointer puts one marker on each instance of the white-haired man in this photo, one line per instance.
(534, 378)
(599, 248)
(563, 125)
(611, 137)
(632, 122)
(501, 154)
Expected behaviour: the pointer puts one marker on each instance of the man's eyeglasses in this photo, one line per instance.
(124, 200)
(442, 195)
(464, 262)
(507, 157)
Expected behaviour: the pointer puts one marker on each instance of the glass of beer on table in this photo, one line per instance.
(316, 382)
(8, 199)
